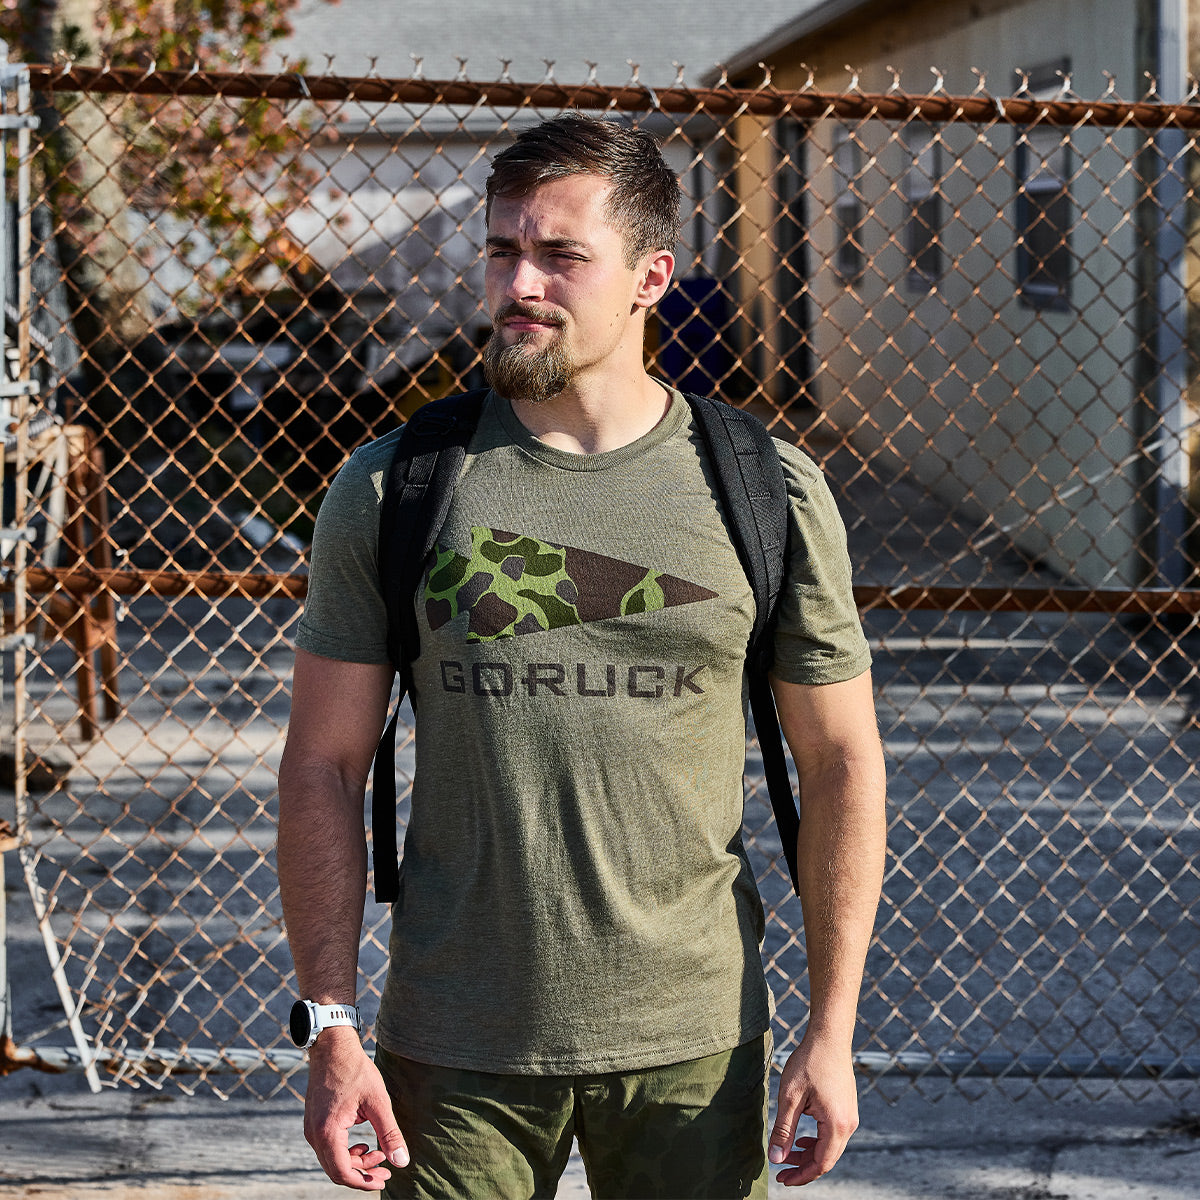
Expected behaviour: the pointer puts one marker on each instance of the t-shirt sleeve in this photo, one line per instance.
(819, 638)
(345, 617)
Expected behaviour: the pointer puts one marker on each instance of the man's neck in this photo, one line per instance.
(592, 417)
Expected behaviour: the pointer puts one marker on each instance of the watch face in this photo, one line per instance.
(300, 1023)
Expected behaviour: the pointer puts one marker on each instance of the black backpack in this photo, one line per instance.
(416, 500)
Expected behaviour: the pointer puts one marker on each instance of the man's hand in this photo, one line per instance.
(817, 1081)
(345, 1089)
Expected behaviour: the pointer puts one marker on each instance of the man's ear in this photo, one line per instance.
(654, 278)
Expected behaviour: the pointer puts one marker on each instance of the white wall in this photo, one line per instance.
(1024, 417)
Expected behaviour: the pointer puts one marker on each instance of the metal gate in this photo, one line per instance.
(975, 314)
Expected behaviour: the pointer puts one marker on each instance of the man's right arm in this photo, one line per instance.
(338, 713)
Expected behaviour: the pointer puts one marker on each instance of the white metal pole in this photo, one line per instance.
(1170, 393)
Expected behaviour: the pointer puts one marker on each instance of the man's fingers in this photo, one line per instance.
(347, 1166)
(832, 1138)
(783, 1133)
(368, 1163)
(812, 1157)
(799, 1164)
(367, 1156)
(391, 1141)
(360, 1166)
(809, 1160)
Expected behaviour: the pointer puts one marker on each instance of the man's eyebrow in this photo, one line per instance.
(558, 243)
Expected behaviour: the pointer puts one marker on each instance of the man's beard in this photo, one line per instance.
(520, 372)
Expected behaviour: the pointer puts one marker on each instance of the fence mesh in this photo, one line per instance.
(975, 315)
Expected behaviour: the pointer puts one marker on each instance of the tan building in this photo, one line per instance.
(1000, 310)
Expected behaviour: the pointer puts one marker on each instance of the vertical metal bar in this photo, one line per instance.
(1170, 392)
(21, 252)
(71, 1004)
(24, 228)
(5, 991)
(6, 75)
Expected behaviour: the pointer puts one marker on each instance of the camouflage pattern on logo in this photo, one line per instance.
(514, 584)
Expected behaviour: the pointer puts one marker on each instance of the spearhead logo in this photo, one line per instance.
(513, 584)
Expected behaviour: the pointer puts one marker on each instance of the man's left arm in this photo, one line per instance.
(832, 732)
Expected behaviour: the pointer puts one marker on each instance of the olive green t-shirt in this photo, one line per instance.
(575, 896)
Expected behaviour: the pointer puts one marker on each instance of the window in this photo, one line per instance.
(1044, 210)
(847, 206)
(921, 234)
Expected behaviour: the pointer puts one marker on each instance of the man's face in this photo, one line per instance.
(561, 297)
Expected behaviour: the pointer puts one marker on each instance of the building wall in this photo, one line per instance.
(1012, 413)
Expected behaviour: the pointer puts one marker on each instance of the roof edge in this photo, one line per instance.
(825, 13)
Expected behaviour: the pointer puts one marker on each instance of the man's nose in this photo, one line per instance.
(526, 282)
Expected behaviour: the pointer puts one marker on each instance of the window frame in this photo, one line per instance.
(1043, 174)
(922, 237)
(849, 212)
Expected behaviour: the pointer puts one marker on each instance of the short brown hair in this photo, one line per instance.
(644, 201)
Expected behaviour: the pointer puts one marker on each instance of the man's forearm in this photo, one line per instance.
(832, 733)
(322, 859)
(840, 856)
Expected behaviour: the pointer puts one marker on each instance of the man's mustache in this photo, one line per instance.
(530, 312)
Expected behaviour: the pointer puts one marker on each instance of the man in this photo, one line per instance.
(575, 950)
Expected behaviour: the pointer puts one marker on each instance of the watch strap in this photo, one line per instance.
(325, 1016)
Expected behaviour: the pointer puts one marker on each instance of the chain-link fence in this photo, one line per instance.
(975, 314)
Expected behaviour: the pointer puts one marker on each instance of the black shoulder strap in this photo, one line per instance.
(417, 492)
(753, 494)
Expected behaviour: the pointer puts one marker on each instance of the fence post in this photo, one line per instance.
(1170, 390)
(7, 841)
(17, 118)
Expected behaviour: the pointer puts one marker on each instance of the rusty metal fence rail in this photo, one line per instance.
(976, 313)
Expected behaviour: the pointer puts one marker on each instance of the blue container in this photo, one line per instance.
(694, 320)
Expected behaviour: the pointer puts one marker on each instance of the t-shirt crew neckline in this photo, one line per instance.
(672, 421)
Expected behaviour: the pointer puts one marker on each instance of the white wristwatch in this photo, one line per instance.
(308, 1019)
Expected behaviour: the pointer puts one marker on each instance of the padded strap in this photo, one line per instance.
(754, 498)
(784, 802)
(417, 494)
(385, 853)
(753, 495)
(416, 499)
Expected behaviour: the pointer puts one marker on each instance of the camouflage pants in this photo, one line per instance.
(693, 1129)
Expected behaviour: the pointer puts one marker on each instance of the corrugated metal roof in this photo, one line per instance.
(572, 33)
